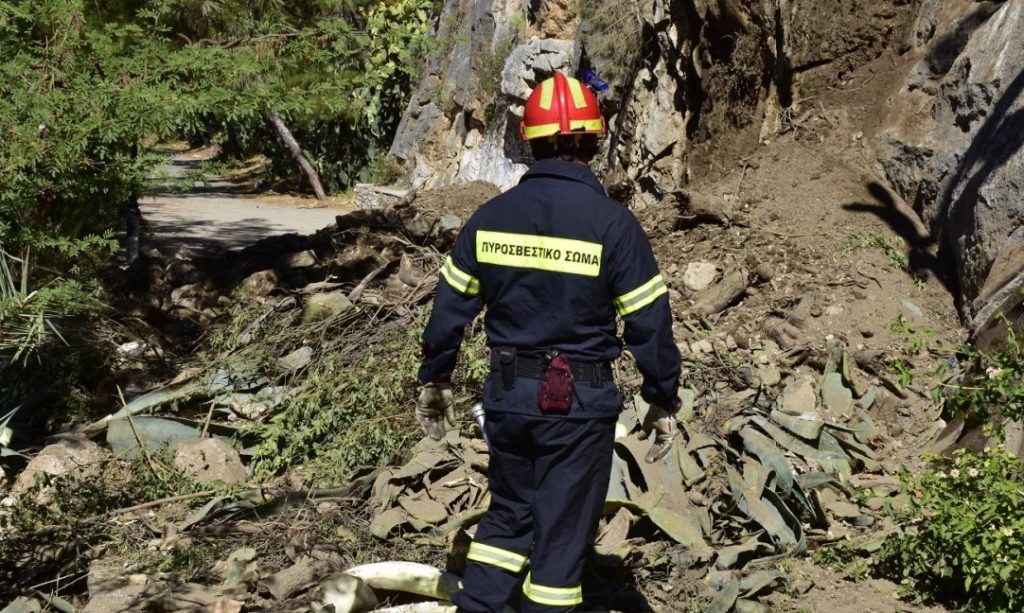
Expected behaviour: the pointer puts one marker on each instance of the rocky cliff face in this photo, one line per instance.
(952, 147)
(698, 84)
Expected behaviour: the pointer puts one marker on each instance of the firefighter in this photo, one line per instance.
(553, 260)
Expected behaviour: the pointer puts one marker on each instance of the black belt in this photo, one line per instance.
(592, 373)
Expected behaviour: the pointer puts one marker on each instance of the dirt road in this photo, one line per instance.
(227, 221)
(221, 212)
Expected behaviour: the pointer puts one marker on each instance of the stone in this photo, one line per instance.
(324, 306)
(188, 295)
(834, 395)
(260, 284)
(769, 376)
(699, 276)
(210, 460)
(798, 396)
(300, 259)
(76, 456)
(110, 589)
(369, 196)
(844, 510)
(702, 346)
(300, 358)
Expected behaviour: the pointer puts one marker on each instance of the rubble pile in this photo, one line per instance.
(758, 474)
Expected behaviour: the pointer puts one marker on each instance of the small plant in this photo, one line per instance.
(904, 374)
(964, 543)
(917, 340)
(992, 383)
(845, 556)
(385, 170)
(893, 247)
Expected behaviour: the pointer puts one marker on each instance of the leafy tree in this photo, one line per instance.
(85, 85)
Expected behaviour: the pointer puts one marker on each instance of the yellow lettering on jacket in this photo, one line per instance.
(551, 253)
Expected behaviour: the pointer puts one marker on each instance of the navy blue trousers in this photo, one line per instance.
(548, 479)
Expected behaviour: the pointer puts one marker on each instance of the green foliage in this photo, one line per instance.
(345, 415)
(965, 542)
(992, 385)
(385, 170)
(893, 247)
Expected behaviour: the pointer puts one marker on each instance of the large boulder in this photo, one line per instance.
(952, 145)
(456, 127)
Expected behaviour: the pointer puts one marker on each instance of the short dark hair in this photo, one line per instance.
(568, 147)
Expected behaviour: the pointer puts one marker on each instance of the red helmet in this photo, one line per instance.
(561, 105)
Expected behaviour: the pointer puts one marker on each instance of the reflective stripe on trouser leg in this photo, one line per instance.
(508, 525)
(496, 556)
(552, 596)
(572, 463)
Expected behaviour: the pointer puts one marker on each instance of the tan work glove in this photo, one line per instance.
(435, 404)
(664, 426)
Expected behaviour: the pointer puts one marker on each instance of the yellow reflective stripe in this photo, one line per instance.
(552, 596)
(587, 125)
(494, 556)
(462, 282)
(547, 129)
(577, 93)
(549, 253)
(547, 94)
(540, 131)
(641, 296)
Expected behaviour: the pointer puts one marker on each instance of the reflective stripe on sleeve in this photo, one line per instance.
(552, 596)
(641, 296)
(462, 282)
(550, 253)
(495, 556)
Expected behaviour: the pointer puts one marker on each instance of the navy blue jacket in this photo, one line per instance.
(554, 260)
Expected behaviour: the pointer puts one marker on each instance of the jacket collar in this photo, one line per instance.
(562, 169)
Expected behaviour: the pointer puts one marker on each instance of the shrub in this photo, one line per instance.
(993, 384)
(964, 540)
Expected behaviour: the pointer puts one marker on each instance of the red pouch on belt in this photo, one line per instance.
(555, 393)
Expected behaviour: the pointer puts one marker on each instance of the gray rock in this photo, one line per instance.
(458, 126)
(769, 376)
(76, 456)
(300, 358)
(299, 259)
(951, 139)
(798, 396)
(369, 196)
(450, 222)
(699, 276)
(209, 460)
(260, 284)
(323, 306)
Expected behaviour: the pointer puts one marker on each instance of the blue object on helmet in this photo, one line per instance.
(595, 83)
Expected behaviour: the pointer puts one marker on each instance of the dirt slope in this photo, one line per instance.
(823, 244)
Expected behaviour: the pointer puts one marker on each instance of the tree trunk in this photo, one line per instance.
(293, 145)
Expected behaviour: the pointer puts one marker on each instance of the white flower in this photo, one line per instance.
(955, 473)
(973, 472)
(941, 474)
(1007, 532)
(993, 372)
